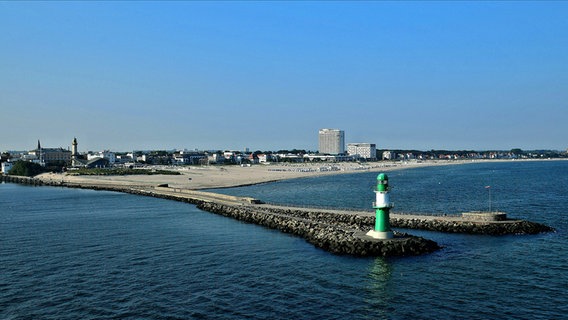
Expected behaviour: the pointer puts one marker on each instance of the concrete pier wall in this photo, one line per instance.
(484, 216)
(494, 228)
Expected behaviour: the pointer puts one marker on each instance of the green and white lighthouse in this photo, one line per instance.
(382, 207)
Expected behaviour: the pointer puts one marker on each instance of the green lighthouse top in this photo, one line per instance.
(382, 176)
(382, 182)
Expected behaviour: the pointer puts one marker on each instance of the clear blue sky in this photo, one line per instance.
(268, 75)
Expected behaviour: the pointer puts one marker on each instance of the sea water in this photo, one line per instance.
(83, 254)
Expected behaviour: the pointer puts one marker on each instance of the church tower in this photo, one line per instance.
(39, 153)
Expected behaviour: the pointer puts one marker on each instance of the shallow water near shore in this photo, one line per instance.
(69, 253)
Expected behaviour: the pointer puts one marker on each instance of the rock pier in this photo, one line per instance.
(337, 231)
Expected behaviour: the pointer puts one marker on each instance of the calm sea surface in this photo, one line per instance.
(82, 254)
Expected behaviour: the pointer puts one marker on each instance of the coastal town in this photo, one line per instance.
(260, 160)
(330, 142)
(191, 176)
(337, 230)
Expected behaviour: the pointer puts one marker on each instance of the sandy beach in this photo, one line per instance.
(204, 177)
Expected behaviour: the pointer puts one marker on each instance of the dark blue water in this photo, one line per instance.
(524, 189)
(81, 254)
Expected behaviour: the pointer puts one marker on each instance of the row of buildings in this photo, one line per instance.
(331, 145)
(331, 148)
(332, 142)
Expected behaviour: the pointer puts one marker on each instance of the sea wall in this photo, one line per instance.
(21, 180)
(360, 222)
(335, 238)
(471, 227)
(337, 233)
(300, 221)
(484, 216)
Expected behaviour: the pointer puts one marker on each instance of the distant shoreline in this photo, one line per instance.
(213, 177)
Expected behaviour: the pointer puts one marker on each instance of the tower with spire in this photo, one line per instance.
(39, 153)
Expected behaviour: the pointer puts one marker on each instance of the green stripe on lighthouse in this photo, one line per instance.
(382, 220)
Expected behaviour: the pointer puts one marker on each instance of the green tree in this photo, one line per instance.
(25, 168)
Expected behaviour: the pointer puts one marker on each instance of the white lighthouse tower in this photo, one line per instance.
(74, 153)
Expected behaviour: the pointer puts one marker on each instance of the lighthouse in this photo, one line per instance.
(382, 206)
(74, 153)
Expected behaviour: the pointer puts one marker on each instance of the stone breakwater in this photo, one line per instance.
(337, 231)
(334, 232)
(21, 180)
(333, 235)
(495, 228)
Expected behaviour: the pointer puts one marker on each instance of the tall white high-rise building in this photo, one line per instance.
(331, 141)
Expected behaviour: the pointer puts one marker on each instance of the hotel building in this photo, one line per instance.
(362, 150)
(331, 141)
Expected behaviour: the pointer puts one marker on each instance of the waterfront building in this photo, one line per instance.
(331, 141)
(143, 158)
(253, 158)
(230, 156)
(92, 161)
(215, 158)
(389, 155)
(290, 157)
(6, 167)
(97, 163)
(110, 156)
(264, 158)
(123, 159)
(188, 157)
(362, 150)
(51, 156)
(30, 156)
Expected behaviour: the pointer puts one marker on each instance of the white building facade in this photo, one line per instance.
(331, 141)
(110, 156)
(389, 155)
(6, 167)
(362, 150)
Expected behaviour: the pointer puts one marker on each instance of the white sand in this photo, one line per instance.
(198, 177)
